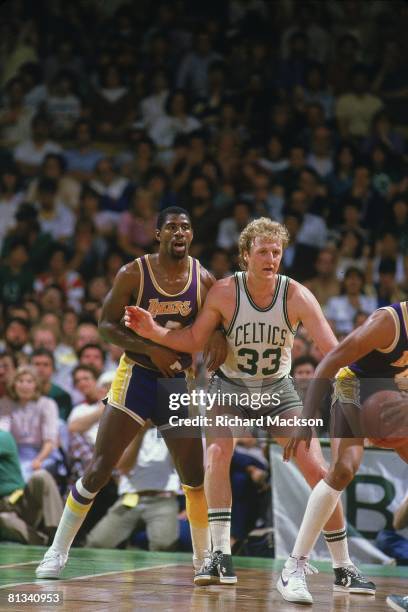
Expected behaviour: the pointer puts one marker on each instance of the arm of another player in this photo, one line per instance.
(188, 340)
(216, 349)
(112, 329)
(377, 332)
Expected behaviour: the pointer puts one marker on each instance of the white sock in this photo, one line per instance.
(78, 504)
(201, 540)
(322, 501)
(338, 546)
(220, 527)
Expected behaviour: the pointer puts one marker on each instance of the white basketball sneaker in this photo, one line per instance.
(52, 564)
(292, 581)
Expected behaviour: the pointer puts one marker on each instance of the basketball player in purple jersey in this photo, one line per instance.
(172, 286)
(371, 358)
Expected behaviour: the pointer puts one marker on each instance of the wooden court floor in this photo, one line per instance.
(127, 581)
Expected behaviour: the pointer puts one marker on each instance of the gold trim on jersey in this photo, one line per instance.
(198, 276)
(162, 291)
(404, 310)
(141, 285)
(394, 343)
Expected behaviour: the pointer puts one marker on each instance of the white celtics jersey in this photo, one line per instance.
(259, 339)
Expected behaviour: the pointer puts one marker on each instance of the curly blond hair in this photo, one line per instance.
(263, 228)
(21, 371)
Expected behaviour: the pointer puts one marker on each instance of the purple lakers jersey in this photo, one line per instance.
(169, 310)
(386, 363)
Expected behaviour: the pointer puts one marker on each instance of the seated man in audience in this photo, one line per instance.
(392, 543)
(43, 362)
(147, 495)
(29, 513)
(8, 365)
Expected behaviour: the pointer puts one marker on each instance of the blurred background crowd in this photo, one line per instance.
(112, 111)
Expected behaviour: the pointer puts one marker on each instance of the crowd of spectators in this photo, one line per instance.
(111, 112)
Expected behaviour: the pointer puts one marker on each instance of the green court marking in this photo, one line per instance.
(86, 561)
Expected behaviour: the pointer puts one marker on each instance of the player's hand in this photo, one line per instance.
(215, 351)
(394, 414)
(140, 321)
(165, 360)
(301, 434)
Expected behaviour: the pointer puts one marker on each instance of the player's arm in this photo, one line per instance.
(216, 348)
(188, 340)
(111, 327)
(378, 332)
(303, 306)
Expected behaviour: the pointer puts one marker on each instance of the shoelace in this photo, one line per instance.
(50, 556)
(211, 562)
(310, 569)
(354, 573)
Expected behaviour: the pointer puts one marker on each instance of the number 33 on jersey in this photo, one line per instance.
(259, 340)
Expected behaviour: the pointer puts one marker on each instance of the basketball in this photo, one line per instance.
(378, 432)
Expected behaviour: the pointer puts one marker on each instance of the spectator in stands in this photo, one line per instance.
(355, 110)
(30, 154)
(17, 336)
(220, 263)
(147, 495)
(92, 355)
(16, 279)
(11, 196)
(84, 418)
(54, 217)
(303, 368)
(29, 512)
(8, 365)
(230, 227)
(325, 284)
(27, 228)
(87, 247)
(63, 105)
(114, 190)
(392, 543)
(153, 106)
(137, 226)
(340, 180)
(68, 189)
(341, 310)
(387, 289)
(15, 117)
(193, 69)
(382, 132)
(112, 104)
(43, 361)
(177, 120)
(32, 419)
(82, 160)
(59, 274)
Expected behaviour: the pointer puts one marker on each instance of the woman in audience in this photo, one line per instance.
(31, 418)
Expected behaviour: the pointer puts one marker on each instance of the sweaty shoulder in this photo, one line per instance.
(381, 325)
(129, 271)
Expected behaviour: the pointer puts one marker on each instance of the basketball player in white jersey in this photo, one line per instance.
(259, 310)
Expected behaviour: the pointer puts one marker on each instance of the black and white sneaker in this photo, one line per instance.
(216, 569)
(349, 580)
(397, 602)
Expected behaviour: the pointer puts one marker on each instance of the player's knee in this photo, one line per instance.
(316, 475)
(98, 473)
(342, 474)
(218, 456)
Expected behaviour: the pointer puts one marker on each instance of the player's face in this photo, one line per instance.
(264, 257)
(175, 236)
